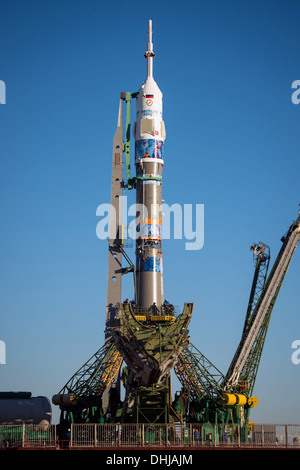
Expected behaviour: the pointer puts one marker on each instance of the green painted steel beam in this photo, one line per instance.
(127, 138)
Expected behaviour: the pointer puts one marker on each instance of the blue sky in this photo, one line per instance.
(225, 70)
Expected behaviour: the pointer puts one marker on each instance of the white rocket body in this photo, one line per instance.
(149, 134)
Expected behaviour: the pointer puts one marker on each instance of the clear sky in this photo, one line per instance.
(226, 71)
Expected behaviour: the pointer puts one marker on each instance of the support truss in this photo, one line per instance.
(96, 374)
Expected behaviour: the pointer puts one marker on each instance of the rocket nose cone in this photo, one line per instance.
(150, 86)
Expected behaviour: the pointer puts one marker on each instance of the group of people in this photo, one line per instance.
(132, 302)
(167, 307)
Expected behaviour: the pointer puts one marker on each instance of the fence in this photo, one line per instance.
(113, 436)
(33, 436)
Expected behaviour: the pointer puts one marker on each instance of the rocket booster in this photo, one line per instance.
(149, 134)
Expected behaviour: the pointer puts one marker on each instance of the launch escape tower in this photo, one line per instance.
(144, 339)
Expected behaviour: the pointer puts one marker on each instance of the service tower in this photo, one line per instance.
(149, 134)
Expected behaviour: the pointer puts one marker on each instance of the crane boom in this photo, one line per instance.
(261, 256)
(265, 303)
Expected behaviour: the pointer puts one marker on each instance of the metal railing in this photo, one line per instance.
(32, 436)
(167, 311)
(142, 436)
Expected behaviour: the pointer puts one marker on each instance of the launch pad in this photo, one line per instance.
(128, 380)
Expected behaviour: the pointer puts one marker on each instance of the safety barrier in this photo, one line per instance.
(165, 310)
(32, 436)
(141, 436)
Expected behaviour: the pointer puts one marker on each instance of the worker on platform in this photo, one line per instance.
(168, 307)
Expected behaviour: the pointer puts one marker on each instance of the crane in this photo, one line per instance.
(212, 396)
(257, 322)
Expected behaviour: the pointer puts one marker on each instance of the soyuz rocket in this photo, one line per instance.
(149, 134)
